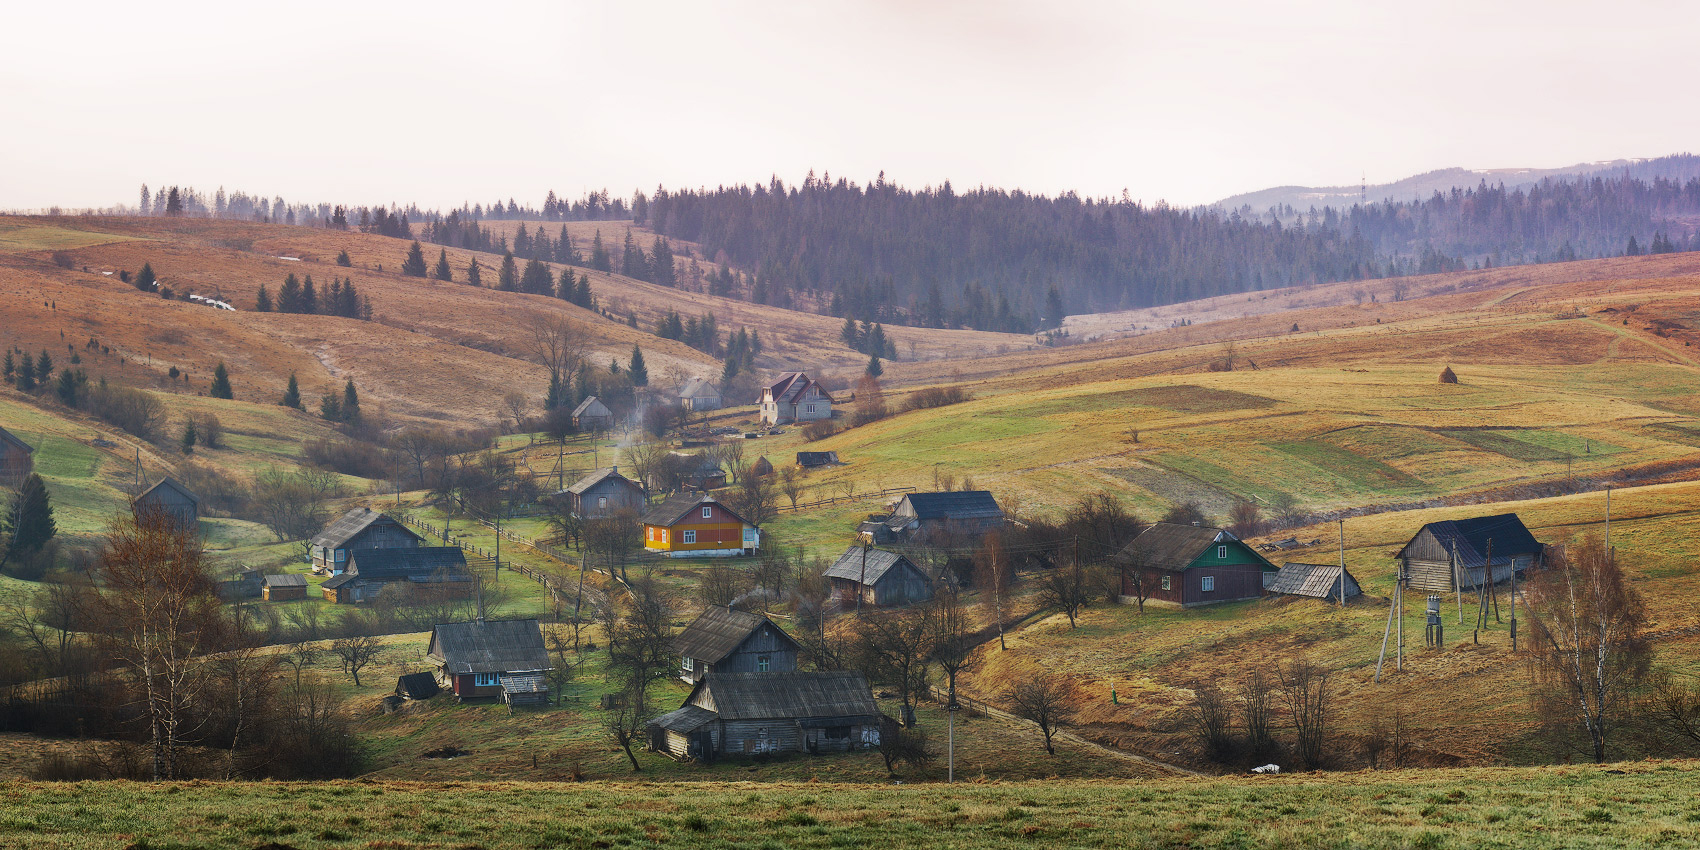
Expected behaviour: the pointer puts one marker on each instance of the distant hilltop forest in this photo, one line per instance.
(1006, 260)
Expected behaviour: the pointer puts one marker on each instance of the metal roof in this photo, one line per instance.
(880, 561)
(677, 505)
(1319, 581)
(591, 406)
(718, 632)
(290, 580)
(1468, 538)
(684, 720)
(489, 646)
(760, 696)
(813, 459)
(957, 504)
(169, 483)
(8, 437)
(350, 524)
(598, 477)
(698, 388)
(417, 686)
(408, 562)
(1172, 546)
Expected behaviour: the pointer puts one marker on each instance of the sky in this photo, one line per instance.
(1188, 102)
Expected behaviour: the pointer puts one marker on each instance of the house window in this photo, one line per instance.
(341, 555)
(707, 512)
(688, 665)
(1207, 584)
(1221, 553)
(690, 537)
(602, 501)
(1165, 582)
(838, 733)
(485, 680)
(763, 663)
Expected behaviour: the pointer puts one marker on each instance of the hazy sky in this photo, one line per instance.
(366, 102)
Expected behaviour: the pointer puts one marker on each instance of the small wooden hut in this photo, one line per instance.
(1317, 581)
(173, 499)
(878, 577)
(278, 588)
(15, 459)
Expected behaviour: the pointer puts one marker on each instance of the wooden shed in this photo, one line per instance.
(762, 468)
(592, 415)
(878, 577)
(438, 572)
(754, 713)
(279, 588)
(1317, 581)
(968, 512)
(361, 528)
(16, 461)
(502, 659)
(417, 686)
(1189, 565)
(603, 493)
(698, 395)
(816, 460)
(722, 640)
(1447, 555)
(171, 497)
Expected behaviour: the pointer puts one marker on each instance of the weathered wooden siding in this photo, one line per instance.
(1154, 585)
(902, 585)
(15, 464)
(283, 594)
(383, 533)
(618, 495)
(1233, 581)
(183, 510)
(781, 654)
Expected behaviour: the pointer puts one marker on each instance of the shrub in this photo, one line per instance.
(137, 412)
(349, 457)
(820, 429)
(209, 430)
(935, 397)
(63, 260)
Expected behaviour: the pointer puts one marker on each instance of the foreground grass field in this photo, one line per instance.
(1631, 806)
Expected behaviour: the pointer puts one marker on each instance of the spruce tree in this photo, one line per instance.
(342, 259)
(30, 522)
(189, 436)
(43, 367)
(473, 278)
(661, 266)
(309, 299)
(220, 382)
(599, 259)
(263, 301)
(508, 281)
(639, 372)
(10, 368)
(582, 296)
(145, 278)
(850, 334)
(292, 394)
(443, 272)
(536, 280)
(350, 402)
(330, 407)
(874, 368)
(26, 373)
(414, 265)
(289, 295)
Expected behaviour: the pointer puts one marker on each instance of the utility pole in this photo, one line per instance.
(1343, 564)
(1608, 519)
(862, 587)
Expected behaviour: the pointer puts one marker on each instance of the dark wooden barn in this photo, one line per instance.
(361, 528)
(1446, 555)
(279, 588)
(722, 640)
(762, 468)
(417, 686)
(603, 493)
(877, 576)
(754, 713)
(16, 461)
(171, 497)
(502, 659)
(1317, 581)
(435, 572)
(816, 460)
(1190, 565)
(592, 415)
(954, 513)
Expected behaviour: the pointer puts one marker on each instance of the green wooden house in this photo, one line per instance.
(1191, 565)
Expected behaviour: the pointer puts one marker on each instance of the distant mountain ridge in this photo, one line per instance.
(1680, 167)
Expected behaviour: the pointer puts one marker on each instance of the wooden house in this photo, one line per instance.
(699, 395)
(16, 461)
(361, 528)
(722, 640)
(1444, 556)
(1189, 565)
(688, 525)
(1317, 581)
(603, 493)
(592, 415)
(794, 397)
(173, 499)
(279, 588)
(754, 713)
(878, 577)
(697, 471)
(499, 659)
(816, 460)
(960, 512)
(434, 571)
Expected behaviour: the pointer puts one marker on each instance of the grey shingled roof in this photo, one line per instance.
(813, 459)
(171, 484)
(849, 565)
(348, 525)
(419, 561)
(698, 388)
(591, 406)
(417, 686)
(677, 505)
(1319, 581)
(684, 720)
(760, 696)
(489, 646)
(596, 478)
(1469, 537)
(959, 504)
(291, 580)
(1172, 546)
(717, 632)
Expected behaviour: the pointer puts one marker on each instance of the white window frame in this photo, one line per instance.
(707, 512)
(1166, 583)
(688, 665)
(1207, 584)
(486, 680)
(1221, 553)
(601, 501)
(690, 537)
(341, 555)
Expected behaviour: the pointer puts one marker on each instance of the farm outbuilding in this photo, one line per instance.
(438, 571)
(754, 713)
(1317, 581)
(603, 493)
(502, 659)
(170, 497)
(698, 395)
(877, 577)
(16, 462)
(816, 460)
(361, 528)
(417, 686)
(932, 515)
(280, 588)
(1190, 565)
(592, 415)
(722, 640)
(1446, 555)
(762, 468)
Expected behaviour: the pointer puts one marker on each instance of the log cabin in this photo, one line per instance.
(939, 516)
(173, 499)
(431, 572)
(603, 493)
(592, 415)
(16, 462)
(279, 588)
(722, 640)
(1189, 565)
(755, 713)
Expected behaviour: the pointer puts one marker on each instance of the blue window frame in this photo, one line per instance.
(484, 680)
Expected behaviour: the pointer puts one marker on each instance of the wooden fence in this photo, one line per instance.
(834, 500)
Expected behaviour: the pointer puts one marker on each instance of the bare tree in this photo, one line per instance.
(905, 746)
(293, 505)
(896, 648)
(1307, 689)
(161, 617)
(993, 573)
(791, 483)
(730, 455)
(611, 539)
(753, 498)
(1257, 712)
(720, 585)
(356, 653)
(1588, 653)
(953, 646)
(557, 342)
(640, 651)
(1137, 578)
(646, 460)
(1211, 721)
(517, 403)
(1043, 700)
(1066, 589)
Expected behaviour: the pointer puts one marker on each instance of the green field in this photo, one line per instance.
(1637, 806)
(16, 238)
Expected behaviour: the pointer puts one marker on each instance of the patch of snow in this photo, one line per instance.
(291, 259)
(108, 274)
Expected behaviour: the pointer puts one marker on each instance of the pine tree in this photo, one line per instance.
(330, 407)
(729, 371)
(443, 272)
(189, 436)
(289, 295)
(145, 278)
(26, 373)
(473, 278)
(1053, 308)
(30, 522)
(639, 372)
(350, 402)
(633, 264)
(509, 279)
(263, 301)
(43, 367)
(536, 280)
(874, 368)
(414, 265)
(10, 368)
(292, 394)
(220, 382)
(583, 296)
(343, 259)
(599, 259)
(661, 266)
(851, 335)
(309, 299)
